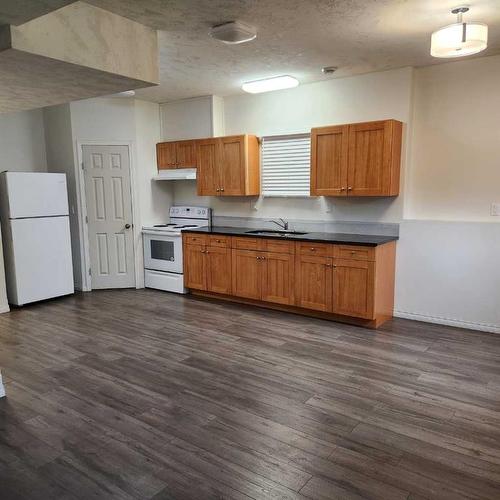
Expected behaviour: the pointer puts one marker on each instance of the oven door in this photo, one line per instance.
(162, 252)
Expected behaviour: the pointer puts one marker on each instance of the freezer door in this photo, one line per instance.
(39, 261)
(33, 194)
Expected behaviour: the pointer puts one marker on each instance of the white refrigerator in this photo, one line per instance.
(34, 215)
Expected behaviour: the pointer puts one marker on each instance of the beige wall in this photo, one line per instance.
(454, 170)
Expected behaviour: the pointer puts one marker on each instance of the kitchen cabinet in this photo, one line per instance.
(207, 177)
(195, 273)
(314, 282)
(247, 276)
(353, 288)
(329, 149)
(177, 154)
(361, 159)
(209, 267)
(277, 278)
(229, 166)
(218, 269)
(352, 283)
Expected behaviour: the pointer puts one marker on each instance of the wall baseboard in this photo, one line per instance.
(4, 309)
(482, 327)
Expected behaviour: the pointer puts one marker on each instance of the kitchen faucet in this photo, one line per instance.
(281, 223)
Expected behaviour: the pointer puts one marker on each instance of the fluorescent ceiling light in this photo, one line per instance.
(459, 39)
(268, 84)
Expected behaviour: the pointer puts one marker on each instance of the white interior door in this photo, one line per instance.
(109, 211)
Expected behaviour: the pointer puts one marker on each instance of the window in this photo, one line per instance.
(286, 165)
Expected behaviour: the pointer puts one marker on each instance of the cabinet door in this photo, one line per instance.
(233, 166)
(277, 278)
(218, 267)
(195, 267)
(165, 155)
(208, 178)
(313, 277)
(329, 152)
(354, 288)
(369, 171)
(186, 154)
(247, 274)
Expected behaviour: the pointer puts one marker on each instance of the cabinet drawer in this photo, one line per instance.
(354, 252)
(278, 246)
(192, 239)
(243, 243)
(219, 241)
(317, 249)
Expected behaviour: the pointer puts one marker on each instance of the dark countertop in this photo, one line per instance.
(348, 239)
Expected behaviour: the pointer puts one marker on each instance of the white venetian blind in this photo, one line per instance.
(286, 162)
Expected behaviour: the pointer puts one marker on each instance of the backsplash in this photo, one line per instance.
(311, 226)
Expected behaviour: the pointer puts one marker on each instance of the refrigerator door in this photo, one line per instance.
(33, 194)
(38, 259)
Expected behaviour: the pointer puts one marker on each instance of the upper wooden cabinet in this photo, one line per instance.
(361, 159)
(178, 154)
(228, 166)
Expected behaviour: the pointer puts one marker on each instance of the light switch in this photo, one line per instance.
(495, 209)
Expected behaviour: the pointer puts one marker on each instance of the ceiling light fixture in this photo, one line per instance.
(459, 39)
(233, 32)
(269, 84)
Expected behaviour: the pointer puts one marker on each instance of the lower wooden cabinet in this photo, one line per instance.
(277, 278)
(195, 275)
(353, 288)
(337, 281)
(263, 276)
(218, 269)
(209, 268)
(247, 274)
(313, 277)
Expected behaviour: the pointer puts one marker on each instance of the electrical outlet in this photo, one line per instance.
(495, 209)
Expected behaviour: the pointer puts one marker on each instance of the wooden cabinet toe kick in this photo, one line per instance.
(367, 323)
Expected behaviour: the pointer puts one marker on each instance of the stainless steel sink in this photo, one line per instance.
(274, 232)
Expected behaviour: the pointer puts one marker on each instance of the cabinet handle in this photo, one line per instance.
(353, 253)
(313, 249)
(342, 188)
(258, 258)
(349, 188)
(328, 265)
(222, 189)
(217, 189)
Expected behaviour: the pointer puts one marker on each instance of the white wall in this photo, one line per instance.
(60, 158)
(368, 97)
(187, 119)
(22, 142)
(455, 159)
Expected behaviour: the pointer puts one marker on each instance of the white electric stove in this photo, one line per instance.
(163, 247)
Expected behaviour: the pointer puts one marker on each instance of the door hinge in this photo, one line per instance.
(90, 272)
(87, 219)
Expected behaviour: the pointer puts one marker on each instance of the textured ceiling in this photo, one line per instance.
(295, 37)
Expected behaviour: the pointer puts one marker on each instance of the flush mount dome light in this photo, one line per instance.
(233, 32)
(459, 39)
(269, 84)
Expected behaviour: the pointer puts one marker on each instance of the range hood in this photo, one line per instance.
(176, 174)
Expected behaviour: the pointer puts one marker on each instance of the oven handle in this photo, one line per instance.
(160, 233)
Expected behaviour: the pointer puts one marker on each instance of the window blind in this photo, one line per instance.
(286, 161)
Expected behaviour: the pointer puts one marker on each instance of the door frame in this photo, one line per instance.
(82, 210)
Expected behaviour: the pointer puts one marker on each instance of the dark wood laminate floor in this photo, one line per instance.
(142, 394)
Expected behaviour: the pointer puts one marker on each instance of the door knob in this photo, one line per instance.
(127, 226)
